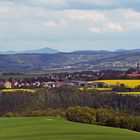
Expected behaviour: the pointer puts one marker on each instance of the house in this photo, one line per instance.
(36, 84)
(133, 75)
(80, 83)
(58, 84)
(15, 84)
(99, 85)
(48, 84)
(8, 85)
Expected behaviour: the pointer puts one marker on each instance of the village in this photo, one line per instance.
(76, 79)
(50, 84)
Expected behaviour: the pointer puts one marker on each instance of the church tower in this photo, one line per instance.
(138, 65)
(138, 68)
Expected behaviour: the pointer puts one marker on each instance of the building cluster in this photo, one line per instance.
(16, 84)
(135, 72)
(72, 79)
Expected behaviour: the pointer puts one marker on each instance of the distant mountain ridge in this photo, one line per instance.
(48, 50)
(39, 51)
(43, 50)
(124, 50)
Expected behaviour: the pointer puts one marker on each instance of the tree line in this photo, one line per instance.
(66, 96)
(124, 88)
(58, 101)
(104, 117)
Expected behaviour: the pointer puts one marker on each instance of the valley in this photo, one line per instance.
(80, 60)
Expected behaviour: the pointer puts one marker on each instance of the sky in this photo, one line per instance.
(68, 25)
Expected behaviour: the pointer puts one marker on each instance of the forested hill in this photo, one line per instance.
(80, 60)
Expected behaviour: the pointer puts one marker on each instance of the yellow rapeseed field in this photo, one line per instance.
(15, 90)
(131, 93)
(128, 83)
(100, 89)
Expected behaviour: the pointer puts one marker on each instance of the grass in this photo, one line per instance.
(128, 83)
(46, 128)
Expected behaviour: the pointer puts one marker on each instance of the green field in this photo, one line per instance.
(45, 128)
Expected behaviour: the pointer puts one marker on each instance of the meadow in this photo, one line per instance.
(46, 128)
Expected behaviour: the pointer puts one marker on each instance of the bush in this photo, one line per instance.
(11, 114)
(103, 117)
(55, 112)
(81, 114)
(47, 112)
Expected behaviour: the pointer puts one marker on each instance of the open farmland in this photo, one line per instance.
(59, 129)
(17, 90)
(128, 83)
(130, 93)
(99, 89)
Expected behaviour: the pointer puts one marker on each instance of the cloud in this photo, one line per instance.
(79, 4)
(61, 20)
(68, 22)
(51, 2)
(101, 2)
(52, 24)
(129, 14)
(115, 27)
(85, 15)
(95, 30)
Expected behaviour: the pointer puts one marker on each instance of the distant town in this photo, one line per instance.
(77, 79)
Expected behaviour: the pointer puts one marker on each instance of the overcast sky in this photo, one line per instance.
(69, 25)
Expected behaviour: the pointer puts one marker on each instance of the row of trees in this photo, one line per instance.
(124, 88)
(103, 117)
(66, 96)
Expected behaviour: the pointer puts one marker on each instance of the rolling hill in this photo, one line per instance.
(44, 128)
(79, 60)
